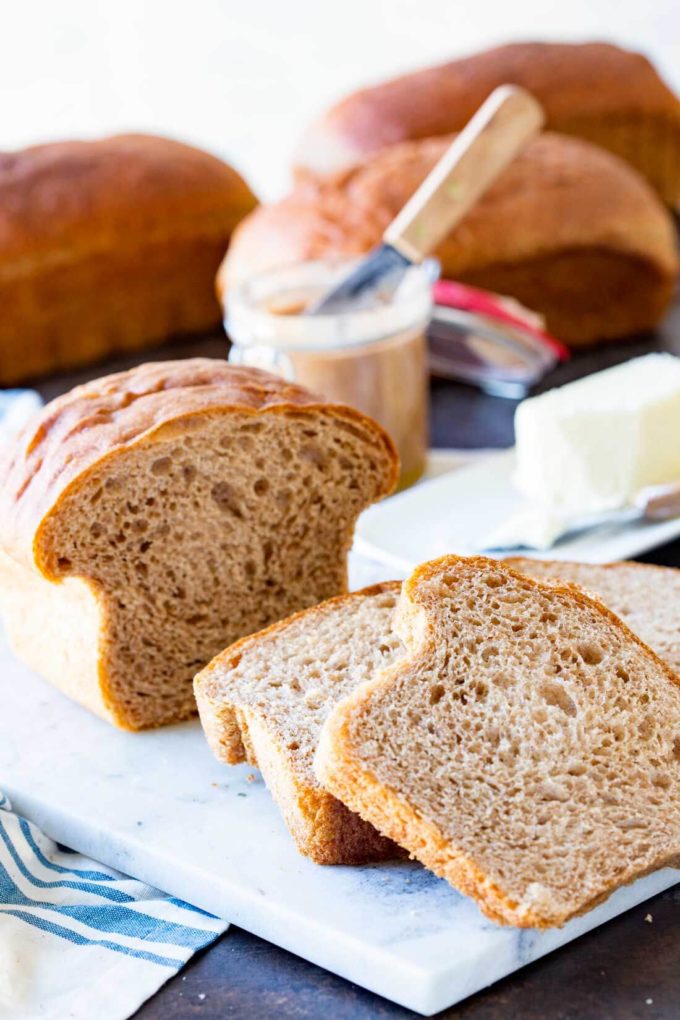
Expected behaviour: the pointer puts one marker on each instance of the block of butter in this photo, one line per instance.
(590, 445)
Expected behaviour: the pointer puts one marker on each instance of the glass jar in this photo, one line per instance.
(373, 358)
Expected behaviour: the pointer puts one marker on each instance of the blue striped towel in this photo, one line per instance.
(80, 940)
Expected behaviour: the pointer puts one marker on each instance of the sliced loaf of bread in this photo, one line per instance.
(645, 597)
(527, 747)
(265, 699)
(151, 518)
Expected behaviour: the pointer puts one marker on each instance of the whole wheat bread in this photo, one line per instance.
(568, 230)
(645, 597)
(150, 518)
(611, 96)
(108, 246)
(527, 748)
(265, 699)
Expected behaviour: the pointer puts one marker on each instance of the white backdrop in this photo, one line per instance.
(243, 77)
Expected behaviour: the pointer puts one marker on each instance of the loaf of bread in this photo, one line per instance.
(645, 597)
(526, 748)
(109, 246)
(151, 518)
(596, 91)
(568, 229)
(265, 699)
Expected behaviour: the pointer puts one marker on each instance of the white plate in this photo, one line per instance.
(454, 512)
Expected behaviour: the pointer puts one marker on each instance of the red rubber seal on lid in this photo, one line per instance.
(471, 299)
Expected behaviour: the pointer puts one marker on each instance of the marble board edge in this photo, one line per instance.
(425, 991)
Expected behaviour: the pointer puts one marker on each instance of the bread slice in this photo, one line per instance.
(645, 597)
(151, 518)
(265, 699)
(527, 748)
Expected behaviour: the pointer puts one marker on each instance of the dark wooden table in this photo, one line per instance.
(624, 970)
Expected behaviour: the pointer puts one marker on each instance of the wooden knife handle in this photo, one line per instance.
(499, 130)
(659, 502)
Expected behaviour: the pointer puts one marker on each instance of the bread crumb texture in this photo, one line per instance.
(527, 748)
(265, 700)
(645, 597)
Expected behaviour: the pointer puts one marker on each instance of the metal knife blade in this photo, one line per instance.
(380, 273)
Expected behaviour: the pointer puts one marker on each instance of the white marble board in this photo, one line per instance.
(157, 806)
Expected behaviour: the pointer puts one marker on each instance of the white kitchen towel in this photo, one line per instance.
(79, 941)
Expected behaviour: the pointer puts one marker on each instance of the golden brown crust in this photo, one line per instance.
(89, 230)
(516, 563)
(565, 225)
(65, 200)
(339, 836)
(595, 90)
(615, 565)
(348, 778)
(77, 432)
(324, 829)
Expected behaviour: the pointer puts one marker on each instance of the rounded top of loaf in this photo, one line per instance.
(79, 431)
(572, 81)
(561, 193)
(61, 199)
